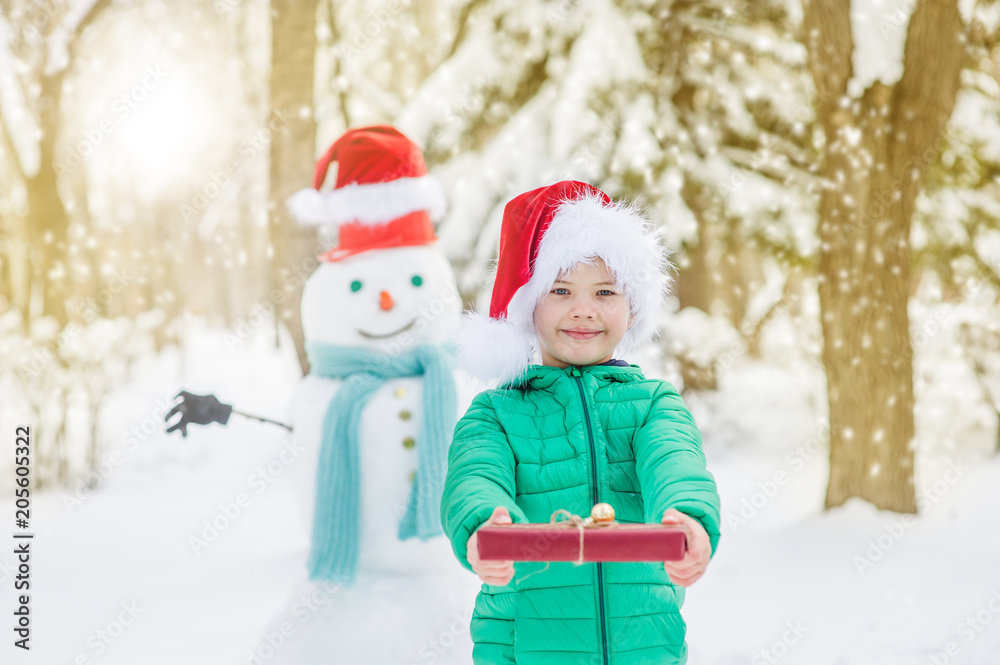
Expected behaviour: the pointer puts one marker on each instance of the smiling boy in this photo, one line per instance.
(583, 317)
(579, 280)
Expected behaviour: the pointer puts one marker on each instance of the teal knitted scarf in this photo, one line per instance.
(335, 539)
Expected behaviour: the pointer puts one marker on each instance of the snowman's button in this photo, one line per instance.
(404, 415)
(413, 476)
(400, 392)
(409, 442)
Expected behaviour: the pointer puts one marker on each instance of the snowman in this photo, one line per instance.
(375, 416)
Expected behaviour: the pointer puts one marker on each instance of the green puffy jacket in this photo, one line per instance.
(570, 438)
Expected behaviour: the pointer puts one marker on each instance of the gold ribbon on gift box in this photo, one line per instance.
(602, 516)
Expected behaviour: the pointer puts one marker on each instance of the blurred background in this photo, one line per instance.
(826, 175)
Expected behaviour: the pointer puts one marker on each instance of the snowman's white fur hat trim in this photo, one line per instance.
(498, 351)
(369, 203)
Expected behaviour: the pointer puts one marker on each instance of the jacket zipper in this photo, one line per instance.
(595, 498)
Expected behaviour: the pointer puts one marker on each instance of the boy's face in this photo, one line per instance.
(582, 318)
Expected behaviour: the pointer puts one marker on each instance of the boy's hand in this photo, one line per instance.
(687, 571)
(499, 573)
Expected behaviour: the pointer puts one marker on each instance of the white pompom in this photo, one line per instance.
(493, 351)
(309, 206)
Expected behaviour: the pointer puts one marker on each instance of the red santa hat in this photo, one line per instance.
(543, 234)
(382, 198)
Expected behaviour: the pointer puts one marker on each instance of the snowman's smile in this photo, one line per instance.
(395, 332)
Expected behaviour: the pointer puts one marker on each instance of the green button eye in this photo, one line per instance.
(417, 280)
(355, 286)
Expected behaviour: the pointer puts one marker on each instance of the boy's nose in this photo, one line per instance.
(385, 301)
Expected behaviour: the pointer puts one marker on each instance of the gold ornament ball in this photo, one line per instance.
(602, 512)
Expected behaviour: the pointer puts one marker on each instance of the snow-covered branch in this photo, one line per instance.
(80, 14)
(753, 39)
(18, 122)
(774, 166)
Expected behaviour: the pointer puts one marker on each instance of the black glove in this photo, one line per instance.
(198, 409)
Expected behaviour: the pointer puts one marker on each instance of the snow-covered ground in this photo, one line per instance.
(119, 575)
(854, 585)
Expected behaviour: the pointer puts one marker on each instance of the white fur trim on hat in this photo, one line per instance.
(492, 350)
(371, 204)
(581, 230)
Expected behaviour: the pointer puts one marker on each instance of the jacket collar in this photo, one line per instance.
(542, 376)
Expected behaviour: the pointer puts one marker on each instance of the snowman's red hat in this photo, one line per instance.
(383, 196)
(544, 233)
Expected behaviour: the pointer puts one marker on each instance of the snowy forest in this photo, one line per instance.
(825, 174)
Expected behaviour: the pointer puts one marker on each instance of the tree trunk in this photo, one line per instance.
(293, 151)
(877, 151)
(47, 218)
(17, 263)
(695, 287)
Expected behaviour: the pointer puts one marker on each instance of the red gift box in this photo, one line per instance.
(560, 541)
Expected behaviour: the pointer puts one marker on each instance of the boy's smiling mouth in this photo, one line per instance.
(581, 333)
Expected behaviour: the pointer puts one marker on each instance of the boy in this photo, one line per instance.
(577, 278)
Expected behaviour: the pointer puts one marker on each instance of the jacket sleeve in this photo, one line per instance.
(671, 465)
(480, 476)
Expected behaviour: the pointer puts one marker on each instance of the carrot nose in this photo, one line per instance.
(385, 301)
